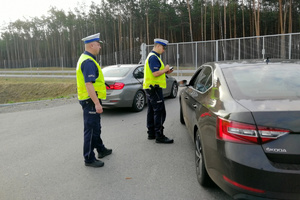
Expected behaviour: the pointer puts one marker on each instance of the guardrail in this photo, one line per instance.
(39, 74)
(68, 74)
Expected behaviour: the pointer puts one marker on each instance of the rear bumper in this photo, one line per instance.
(118, 98)
(250, 175)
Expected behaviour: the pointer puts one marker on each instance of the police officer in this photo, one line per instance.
(154, 81)
(91, 89)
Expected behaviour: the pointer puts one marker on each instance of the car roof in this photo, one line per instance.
(253, 62)
(124, 65)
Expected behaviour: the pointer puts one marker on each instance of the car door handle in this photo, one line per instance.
(195, 106)
(186, 97)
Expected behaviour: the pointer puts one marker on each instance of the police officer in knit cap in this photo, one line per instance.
(154, 81)
(91, 89)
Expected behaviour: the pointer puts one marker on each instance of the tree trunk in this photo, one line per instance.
(190, 20)
(243, 18)
(280, 17)
(212, 21)
(205, 21)
(225, 19)
(130, 38)
(282, 52)
(147, 25)
(201, 24)
(256, 12)
(290, 18)
(120, 40)
(234, 21)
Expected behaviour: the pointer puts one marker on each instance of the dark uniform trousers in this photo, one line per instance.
(156, 114)
(92, 130)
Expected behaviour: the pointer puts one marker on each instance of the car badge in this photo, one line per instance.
(276, 150)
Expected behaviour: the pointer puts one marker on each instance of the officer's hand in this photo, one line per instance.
(99, 108)
(168, 69)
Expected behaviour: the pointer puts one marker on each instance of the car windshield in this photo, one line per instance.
(115, 71)
(273, 81)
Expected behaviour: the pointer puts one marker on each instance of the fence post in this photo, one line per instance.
(177, 53)
(239, 48)
(290, 46)
(196, 53)
(116, 58)
(263, 50)
(143, 53)
(217, 50)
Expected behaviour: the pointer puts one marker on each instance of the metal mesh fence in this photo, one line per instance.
(192, 55)
(187, 55)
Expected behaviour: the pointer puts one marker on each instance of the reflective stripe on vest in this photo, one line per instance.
(99, 84)
(149, 79)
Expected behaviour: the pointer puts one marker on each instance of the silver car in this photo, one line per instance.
(124, 84)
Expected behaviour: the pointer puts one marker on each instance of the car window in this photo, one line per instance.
(115, 71)
(194, 77)
(139, 72)
(264, 82)
(204, 79)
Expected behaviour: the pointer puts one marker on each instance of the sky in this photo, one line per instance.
(10, 10)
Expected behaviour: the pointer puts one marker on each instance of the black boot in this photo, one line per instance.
(161, 138)
(151, 135)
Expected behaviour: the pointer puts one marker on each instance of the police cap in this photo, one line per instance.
(161, 41)
(92, 38)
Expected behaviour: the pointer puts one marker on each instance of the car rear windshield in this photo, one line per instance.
(115, 71)
(273, 81)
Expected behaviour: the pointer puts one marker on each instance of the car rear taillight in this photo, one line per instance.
(115, 86)
(246, 133)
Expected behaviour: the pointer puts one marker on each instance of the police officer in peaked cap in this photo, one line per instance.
(154, 82)
(91, 89)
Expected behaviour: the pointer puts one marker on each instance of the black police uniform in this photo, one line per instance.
(92, 120)
(156, 114)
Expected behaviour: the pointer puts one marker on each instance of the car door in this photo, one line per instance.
(138, 74)
(188, 99)
(194, 95)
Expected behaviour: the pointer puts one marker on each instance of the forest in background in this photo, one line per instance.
(126, 24)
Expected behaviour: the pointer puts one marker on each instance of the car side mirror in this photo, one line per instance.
(139, 75)
(183, 83)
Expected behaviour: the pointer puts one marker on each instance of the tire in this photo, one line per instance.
(139, 101)
(174, 90)
(202, 175)
(181, 115)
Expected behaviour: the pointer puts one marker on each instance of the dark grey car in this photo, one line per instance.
(125, 86)
(244, 119)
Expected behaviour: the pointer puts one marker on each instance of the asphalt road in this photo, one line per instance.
(41, 158)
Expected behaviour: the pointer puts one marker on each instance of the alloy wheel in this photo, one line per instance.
(202, 175)
(139, 101)
(174, 90)
(198, 158)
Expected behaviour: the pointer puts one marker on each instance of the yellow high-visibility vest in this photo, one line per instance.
(99, 84)
(149, 79)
